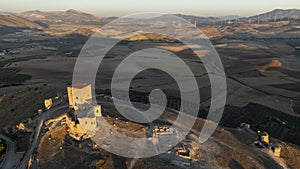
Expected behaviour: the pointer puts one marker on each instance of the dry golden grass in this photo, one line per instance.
(273, 63)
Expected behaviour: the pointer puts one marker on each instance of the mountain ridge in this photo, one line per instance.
(70, 16)
(277, 14)
(17, 22)
(42, 19)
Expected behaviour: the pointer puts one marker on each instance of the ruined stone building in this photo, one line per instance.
(263, 137)
(48, 103)
(86, 112)
(275, 149)
(164, 131)
(265, 142)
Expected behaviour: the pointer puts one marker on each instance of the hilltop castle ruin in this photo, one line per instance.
(85, 111)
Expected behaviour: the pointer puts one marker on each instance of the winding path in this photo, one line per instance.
(48, 114)
(10, 160)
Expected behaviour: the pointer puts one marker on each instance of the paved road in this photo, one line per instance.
(10, 153)
(48, 114)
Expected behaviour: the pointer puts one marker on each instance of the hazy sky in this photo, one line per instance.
(124, 7)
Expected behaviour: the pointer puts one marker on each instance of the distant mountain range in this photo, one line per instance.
(199, 19)
(6, 13)
(38, 19)
(278, 14)
(17, 22)
(60, 17)
(230, 17)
